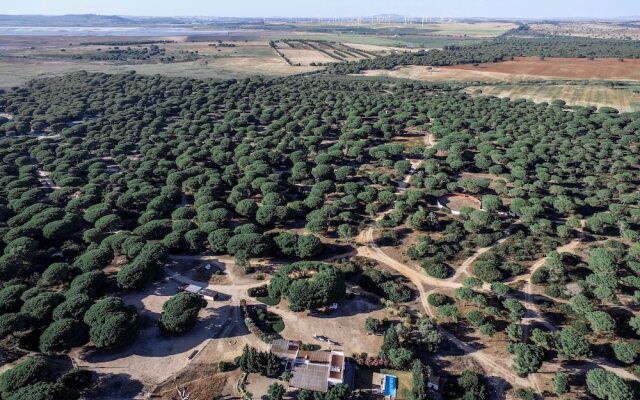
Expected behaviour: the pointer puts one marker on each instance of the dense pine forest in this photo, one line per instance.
(102, 177)
(500, 49)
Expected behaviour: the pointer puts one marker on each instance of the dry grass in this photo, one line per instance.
(602, 30)
(202, 381)
(423, 73)
(569, 68)
(306, 56)
(345, 326)
(379, 49)
(522, 69)
(247, 58)
(623, 99)
(18, 73)
(481, 29)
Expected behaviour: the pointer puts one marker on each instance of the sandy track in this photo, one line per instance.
(534, 315)
(462, 269)
(370, 249)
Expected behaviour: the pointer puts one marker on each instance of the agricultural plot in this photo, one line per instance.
(241, 60)
(421, 73)
(315, 52)
(590, 29)
(521, 69)
(405, 42)
(623, 99)
(13, 74)
(481, 30)
(567, 68)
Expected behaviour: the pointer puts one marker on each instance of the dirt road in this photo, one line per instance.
(469, 261)
(370, 249)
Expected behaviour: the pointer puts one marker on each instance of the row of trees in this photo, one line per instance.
(499, 49)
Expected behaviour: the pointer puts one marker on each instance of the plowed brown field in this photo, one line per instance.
(522, 69)
(571, 68)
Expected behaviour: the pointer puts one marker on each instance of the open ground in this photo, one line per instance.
(522, 69)
(592, 29)
(23, 58)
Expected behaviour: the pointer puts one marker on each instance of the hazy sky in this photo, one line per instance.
(331, 8)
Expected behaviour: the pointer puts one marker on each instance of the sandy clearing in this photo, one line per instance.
(344, 326)
(152, 357)
(18, 73)
(423, 73)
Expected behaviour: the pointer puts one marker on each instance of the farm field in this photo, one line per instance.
(422, 73)
(521, 69)
(591, 29)
(569, 68)
(211, 59)
(480, 29)
(404, 42)
(623, 99)
(13, 74)
(477, 29)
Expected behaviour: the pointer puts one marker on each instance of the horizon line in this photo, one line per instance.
(327, 17)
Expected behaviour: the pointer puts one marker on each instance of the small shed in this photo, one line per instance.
(206, 294)
(434, 383)
(190, 288)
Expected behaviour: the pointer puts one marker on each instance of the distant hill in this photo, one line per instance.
(82, 20)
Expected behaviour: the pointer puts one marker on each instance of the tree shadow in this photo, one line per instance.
(348, 308)
(331, 251)
(114, 387)
(465, 334)
(498, 387)
(222, 322)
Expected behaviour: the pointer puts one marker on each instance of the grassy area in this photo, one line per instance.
(270, 301)
(481, 29)
(477, 30)
(624, 98)
(405, 381)
(387, 40)
(244, 59)
(15, 74)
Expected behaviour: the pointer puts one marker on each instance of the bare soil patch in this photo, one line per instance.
(602, 30)
(152, 358)
(344, 326)
(570, 68)
(200, 381)
(455, 202)
(423, 73)
(522, 69)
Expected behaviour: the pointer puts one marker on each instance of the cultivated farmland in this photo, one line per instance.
(625, 99)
